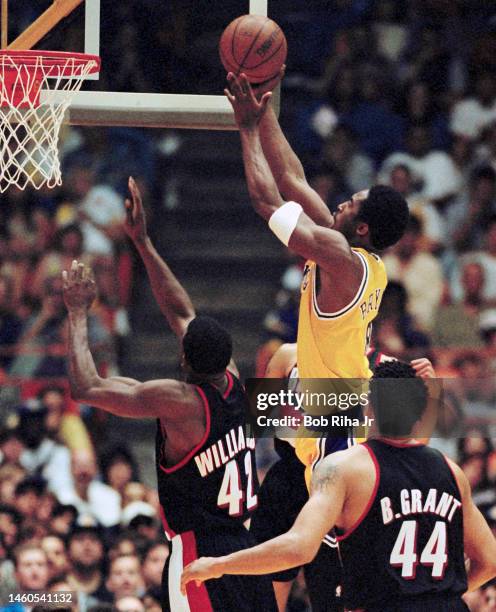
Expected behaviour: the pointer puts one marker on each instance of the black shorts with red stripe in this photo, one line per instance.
(226, 594)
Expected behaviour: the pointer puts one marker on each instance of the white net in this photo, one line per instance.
(29, 120)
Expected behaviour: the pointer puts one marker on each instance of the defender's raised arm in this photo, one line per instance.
(122, 397)
(173, 300)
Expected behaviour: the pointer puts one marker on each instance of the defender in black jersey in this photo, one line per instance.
(205, 462)
(205, 499)
(405, 515)
(283, 494)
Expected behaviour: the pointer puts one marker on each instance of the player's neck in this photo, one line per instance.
(358, 242)
(217, 380)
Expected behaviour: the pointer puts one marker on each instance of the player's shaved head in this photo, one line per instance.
(207, 346)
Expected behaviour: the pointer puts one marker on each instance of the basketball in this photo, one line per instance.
(255, 45)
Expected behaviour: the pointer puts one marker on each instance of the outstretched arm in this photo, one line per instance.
(288, 171)
(121, 396)
(170, 295)
(325, 246)
(173, 300)
(284, 164)
(297, 546)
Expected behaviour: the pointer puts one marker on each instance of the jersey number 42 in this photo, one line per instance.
(231, 494)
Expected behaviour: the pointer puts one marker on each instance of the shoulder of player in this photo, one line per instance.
(282, 361)
(288, 351)
(344, 466)
(338, 260)
(170, 391)
(333, 244)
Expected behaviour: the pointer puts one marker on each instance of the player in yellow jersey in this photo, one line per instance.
(333, 344)
(341, 294)
(344, 277)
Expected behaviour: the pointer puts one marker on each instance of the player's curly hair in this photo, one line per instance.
(386, 213)
(207, 346)
(398, 396)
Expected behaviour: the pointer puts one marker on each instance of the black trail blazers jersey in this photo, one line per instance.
(204, 499)
(406, 551)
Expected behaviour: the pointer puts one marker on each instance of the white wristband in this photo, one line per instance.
(284, 220)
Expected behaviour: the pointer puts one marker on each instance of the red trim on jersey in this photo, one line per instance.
(372, 496)
(454, 475)
(196, 448)
(230, 383)
(170, 533)
(378, 358)
(401, 444)
(198, 598)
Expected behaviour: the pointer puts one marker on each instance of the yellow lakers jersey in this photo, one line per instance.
(334, 344)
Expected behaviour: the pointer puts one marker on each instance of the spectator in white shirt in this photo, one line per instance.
(434, 170)
(486, 258)
(473, 114)
(409, 264)
(89, 495)
(98, 208)
(42, 455)
(434, 233)
(469, 215)
(101, 211)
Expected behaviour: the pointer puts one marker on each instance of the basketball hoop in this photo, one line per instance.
(36, 87)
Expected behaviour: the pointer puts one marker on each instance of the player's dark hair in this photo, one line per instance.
(207, 346)
(386, 213)
(398, 396)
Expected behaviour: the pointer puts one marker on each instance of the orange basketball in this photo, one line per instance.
(254, 45)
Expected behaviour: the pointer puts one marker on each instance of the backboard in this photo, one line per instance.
(170, 45)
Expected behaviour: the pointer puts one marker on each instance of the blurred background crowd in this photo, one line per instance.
(375, 91)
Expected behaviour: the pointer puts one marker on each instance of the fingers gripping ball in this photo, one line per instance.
(255, 45)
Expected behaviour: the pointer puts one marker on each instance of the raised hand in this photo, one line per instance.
(79, 287)
(135, 223)
(260, 88)
(247, 109)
